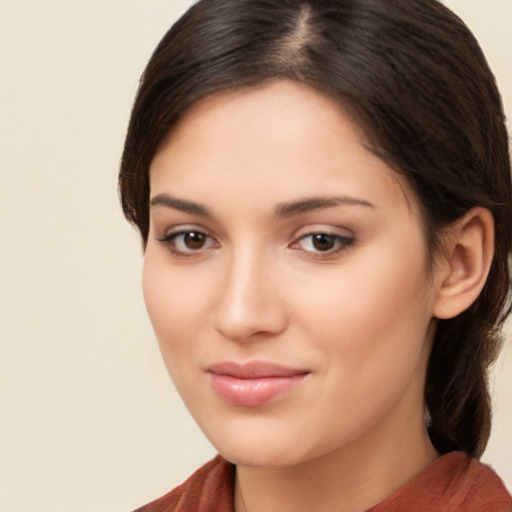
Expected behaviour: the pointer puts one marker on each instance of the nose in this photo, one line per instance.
(250, 304)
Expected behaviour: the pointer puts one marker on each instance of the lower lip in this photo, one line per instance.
(253, 392)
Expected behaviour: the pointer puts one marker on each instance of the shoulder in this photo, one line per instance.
(453, 483)
(485, 491)
(209, 489)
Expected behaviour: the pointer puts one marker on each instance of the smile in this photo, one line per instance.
(253, 384)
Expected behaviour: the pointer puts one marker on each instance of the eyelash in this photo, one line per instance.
(170, 241)
(341, 243)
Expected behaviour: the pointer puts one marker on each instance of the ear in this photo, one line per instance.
(463, 267)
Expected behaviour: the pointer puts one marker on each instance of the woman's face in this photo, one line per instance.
(286, 278)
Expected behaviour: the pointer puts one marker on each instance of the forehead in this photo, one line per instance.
(266, 136)
(284, 101)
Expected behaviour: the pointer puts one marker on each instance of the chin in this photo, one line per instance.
(260, 457)
(261, 449)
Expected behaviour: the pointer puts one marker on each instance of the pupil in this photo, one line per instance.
(194, 240)
(323, 242)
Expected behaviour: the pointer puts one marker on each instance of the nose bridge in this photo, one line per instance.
(249, 300)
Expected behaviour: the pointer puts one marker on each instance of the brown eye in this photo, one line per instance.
(324, 244)
(194, 240)
(189, 242)
(323, 241)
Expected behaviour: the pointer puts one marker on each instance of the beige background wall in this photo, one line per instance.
(88, 418)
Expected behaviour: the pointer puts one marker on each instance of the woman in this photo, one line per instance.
(323, 193)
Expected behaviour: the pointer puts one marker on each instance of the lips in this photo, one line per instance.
(253, 384)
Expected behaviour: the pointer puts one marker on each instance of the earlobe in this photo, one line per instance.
(466, 262)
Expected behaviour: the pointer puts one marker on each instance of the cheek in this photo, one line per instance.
(370, 315)
(370, 331)
(172, 302)
(176, 309)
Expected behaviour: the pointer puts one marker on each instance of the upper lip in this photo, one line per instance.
(254, 370)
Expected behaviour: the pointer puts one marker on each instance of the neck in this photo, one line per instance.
(351, 479)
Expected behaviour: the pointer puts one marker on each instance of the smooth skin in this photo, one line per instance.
(277, 236)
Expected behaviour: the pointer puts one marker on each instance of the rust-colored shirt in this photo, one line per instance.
(453, 483)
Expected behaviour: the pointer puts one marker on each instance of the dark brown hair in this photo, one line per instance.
(414, 79)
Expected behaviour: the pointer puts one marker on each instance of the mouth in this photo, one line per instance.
(253, 384)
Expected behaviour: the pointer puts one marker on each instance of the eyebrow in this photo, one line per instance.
(181, 205)
(285, 210)
(282, 210)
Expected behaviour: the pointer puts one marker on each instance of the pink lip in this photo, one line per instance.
(254, 383)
